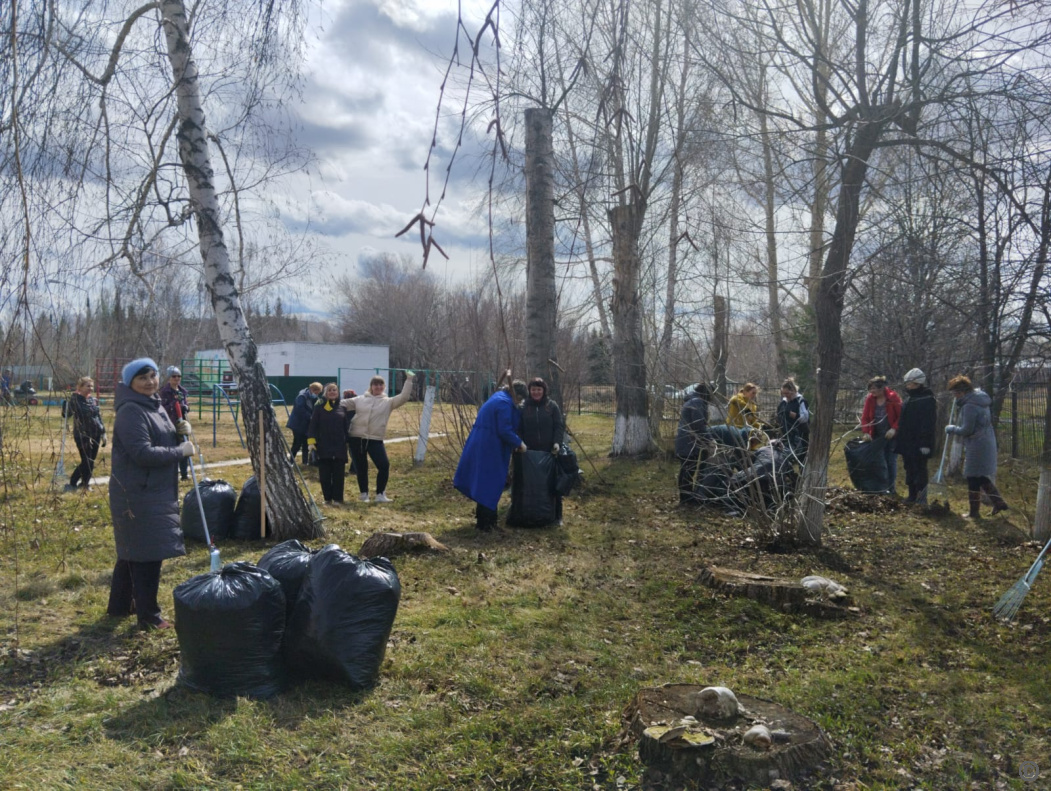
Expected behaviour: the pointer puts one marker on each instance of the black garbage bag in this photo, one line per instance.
(712, 486)
(219, 500)
(567, 470)
(532, 490)
(246, 514)
(866, 465)
(343, 618)
(288, 563)
(230, 626)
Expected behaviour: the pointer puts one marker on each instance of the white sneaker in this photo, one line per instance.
(382, 498)
(364, 497)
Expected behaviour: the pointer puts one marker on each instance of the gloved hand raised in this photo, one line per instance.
(183, 428)
(925, 451)
(891, 433)
(186, 448)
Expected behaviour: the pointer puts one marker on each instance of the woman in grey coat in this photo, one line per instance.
(979, 442)
(143, 494)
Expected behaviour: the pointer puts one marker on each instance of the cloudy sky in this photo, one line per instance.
(374, 70)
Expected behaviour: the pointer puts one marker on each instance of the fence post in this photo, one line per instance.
(1014, 424)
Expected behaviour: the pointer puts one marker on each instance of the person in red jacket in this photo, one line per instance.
(879, 420)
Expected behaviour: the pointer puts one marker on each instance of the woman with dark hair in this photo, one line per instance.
(879, 420)
(543, 427)
(143, 494)
(793, 418)
(89, 433)
(482, 470)
(368, 429)
(979, 443)
(327, 440)
(916, 428)
(690, 439)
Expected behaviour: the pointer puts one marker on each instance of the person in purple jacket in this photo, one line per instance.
(482, 471)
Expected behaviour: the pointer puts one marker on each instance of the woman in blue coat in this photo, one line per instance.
(482, 471)
(143, 494)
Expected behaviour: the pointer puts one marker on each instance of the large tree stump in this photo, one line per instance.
(784, 594)
(390, 544)
(712, 752)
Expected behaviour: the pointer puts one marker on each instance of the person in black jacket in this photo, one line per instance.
(690, 439)
(327, 440)
(543, 427)
(299, 419)
(916, 434)
(89, 433)
(793, 418)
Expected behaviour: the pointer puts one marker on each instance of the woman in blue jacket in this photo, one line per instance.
(482, 471)
(299, 419)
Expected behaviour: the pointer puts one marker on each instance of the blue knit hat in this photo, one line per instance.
(136, 367)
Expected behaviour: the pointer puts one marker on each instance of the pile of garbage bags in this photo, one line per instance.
(728, 475)
(299, 614)
(227, 515)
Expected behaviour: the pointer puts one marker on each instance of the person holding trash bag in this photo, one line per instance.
(174, 399)
(880, 415)
(543, 427)
(326, 438)
(916, 434)
(299, 419)
(368, 429)
(979, 443)
(482, 470)
(742, 410)
(793, 418)
(89, 433)
(143, 494)
(690, 440)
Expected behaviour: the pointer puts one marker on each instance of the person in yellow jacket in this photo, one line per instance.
(743, 410)
(368, 430)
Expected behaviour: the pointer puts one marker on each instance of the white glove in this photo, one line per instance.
(186, 448)
(866, 438)
(555, 448)
(950, 429)
(925, 451)
(182, 427)
(523, 448)
(891, 433)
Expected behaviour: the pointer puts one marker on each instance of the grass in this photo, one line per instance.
(514, 656)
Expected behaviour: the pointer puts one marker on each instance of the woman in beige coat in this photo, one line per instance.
(368, 430)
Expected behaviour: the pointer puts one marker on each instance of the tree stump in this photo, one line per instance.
(390, 544)
(712, 752)
(783, 594)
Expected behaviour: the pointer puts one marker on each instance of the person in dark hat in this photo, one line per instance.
(691, 439)
(543, 427)
(143, 494)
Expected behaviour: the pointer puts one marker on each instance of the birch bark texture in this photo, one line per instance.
(287, 508)
(541, 291)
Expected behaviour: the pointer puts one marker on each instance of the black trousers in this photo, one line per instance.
(484, 518)
(915, 475)
(330, 474)
(299, 443)
(689, 473)
(133, 589)
(88, 447)
(361, 450)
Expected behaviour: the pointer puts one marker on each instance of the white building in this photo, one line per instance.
(351, 364)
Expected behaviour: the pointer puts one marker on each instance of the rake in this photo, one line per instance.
(936, 489)
(1010, 602)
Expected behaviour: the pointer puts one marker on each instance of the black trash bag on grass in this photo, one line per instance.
(230, 626)
(532, 490)
(288, 563)
(343, 618)
(219, 500)
(247, 513)
(867, 466)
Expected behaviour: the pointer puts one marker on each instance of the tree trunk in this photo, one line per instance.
(829, 314)
(721, 343)
(631, 432)
(287, 510)
(772, 273)
(1042, 520)
(541, 294)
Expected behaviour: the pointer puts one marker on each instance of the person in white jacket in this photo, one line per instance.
(368, 429)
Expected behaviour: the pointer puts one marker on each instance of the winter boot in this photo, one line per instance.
(974, 499)
(996, 498)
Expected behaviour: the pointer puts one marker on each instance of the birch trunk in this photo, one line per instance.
(287, 510)
(1042, 520)
(772, 269)
(541, 294)
(631, 431)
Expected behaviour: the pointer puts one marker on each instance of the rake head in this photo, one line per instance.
(1007, 608)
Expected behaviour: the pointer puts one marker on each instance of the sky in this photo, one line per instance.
(373, 72)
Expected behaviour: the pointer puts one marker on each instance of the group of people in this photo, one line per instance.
(327, 427)
(517, 418)
(909, 429)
